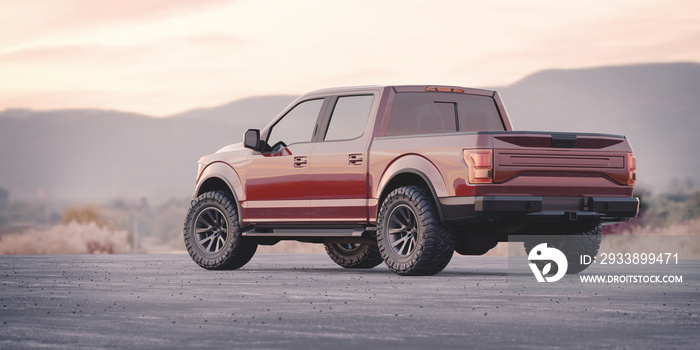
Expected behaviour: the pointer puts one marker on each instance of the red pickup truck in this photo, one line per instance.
(406, 175)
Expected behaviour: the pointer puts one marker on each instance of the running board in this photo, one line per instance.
(302, 232)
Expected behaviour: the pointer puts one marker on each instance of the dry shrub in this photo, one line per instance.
(682, 238)
(72, 238)
(684, 228)
(84, 214)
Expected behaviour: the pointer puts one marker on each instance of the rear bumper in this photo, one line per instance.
(474, 209)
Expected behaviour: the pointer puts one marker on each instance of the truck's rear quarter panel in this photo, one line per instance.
(442, 151)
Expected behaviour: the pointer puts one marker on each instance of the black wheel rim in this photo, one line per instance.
(403, 230)
(211, 230)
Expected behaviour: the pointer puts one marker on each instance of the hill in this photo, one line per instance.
(242, 111)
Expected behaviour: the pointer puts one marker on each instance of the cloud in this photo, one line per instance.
(88, 54)
(31, 20)
(81, 13)
(89, 11)
(69, 54)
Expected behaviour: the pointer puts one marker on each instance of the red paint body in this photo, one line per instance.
(344, 181)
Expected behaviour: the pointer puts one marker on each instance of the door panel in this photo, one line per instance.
(338, 187)
(278, 186)
(338, 164)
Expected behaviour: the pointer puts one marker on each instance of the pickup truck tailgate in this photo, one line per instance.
(545, 159)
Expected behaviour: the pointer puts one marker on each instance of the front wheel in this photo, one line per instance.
(354, 256)
(410, 235)
(212, 233)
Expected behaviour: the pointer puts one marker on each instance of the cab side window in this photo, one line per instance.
(297, 125)
(349, 117)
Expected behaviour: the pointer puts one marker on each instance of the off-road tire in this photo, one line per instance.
(434, 242)
(573, 246)
(354, 256)
(235, 251)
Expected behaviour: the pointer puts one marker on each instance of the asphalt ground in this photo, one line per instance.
(281, 301)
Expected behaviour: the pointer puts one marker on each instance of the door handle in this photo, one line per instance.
(300, 162)
(355, 159)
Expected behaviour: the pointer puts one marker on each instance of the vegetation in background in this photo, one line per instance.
(118, 226)
(83, 214)
(667, 209)
(19, 215)
(71, 238)
(679, 204)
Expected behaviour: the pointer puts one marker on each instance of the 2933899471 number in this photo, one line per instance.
(638, 258)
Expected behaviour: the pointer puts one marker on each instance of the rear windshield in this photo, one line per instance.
(437, 112)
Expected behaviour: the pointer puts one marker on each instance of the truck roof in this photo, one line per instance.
(409, 88)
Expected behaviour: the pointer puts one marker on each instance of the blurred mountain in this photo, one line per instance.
(100, 154)
(240, 112)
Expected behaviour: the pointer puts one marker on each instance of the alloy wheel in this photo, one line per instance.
(211, 230)
(403, 230)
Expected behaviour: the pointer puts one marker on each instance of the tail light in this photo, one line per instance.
(480, 165)
(631, 169)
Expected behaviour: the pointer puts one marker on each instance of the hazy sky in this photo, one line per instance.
(165, 56)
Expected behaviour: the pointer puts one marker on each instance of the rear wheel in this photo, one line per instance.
(411, 238)
(212, 234)
(573, 246)
(353, 255)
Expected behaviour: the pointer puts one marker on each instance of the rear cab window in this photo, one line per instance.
(415, 113)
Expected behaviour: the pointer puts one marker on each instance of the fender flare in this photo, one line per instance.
(416, 165)
(224, 172)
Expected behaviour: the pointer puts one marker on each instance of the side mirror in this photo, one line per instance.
(251, 139)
